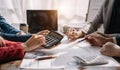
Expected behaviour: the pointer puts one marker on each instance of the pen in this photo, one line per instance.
(44, 58)
(82, 40)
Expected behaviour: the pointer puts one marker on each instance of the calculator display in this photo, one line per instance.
(56, 35)
(52, 38)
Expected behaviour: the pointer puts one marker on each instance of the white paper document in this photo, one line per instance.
(66, 59)
(86, 53)
(30, 62)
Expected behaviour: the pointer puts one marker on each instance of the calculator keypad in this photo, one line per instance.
(50, 40)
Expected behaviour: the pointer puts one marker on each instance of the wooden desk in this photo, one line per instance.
(11, 65)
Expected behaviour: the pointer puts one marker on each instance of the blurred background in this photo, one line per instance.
(69, 11)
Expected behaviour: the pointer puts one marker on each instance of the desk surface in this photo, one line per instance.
(16, 64)
(11, 65)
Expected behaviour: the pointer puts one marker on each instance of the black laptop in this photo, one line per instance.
(38, 20)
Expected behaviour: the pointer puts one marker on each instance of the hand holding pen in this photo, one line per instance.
(98, 39)
(95, 39)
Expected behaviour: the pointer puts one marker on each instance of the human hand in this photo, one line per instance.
(43, 32)
(98, 39)
(34, 42)
(73, 34)
(110, 49)
(2, 43)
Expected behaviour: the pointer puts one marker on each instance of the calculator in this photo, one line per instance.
(52, 38)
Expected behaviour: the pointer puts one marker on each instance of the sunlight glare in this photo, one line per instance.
(65, 9)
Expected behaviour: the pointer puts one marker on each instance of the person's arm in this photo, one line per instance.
(97, 21)
(16, 38)
(11, 51)
(21, 38)
(6, 27)
(116, 38)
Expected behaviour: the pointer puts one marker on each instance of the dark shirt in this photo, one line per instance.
(114, 26)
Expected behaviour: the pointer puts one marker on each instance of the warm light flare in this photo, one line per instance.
(65, 9)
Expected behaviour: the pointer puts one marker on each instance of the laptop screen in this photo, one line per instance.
(38, 20)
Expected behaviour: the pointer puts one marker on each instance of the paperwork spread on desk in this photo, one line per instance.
(30, 62)
(66, 58)
(86, 53)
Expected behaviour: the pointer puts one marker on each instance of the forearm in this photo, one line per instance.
(6, 27)
(11, 52)
(94, 27)
(115, 37)
(96, 22)
(16, 38)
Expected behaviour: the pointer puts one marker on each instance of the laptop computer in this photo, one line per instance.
(38, 20)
